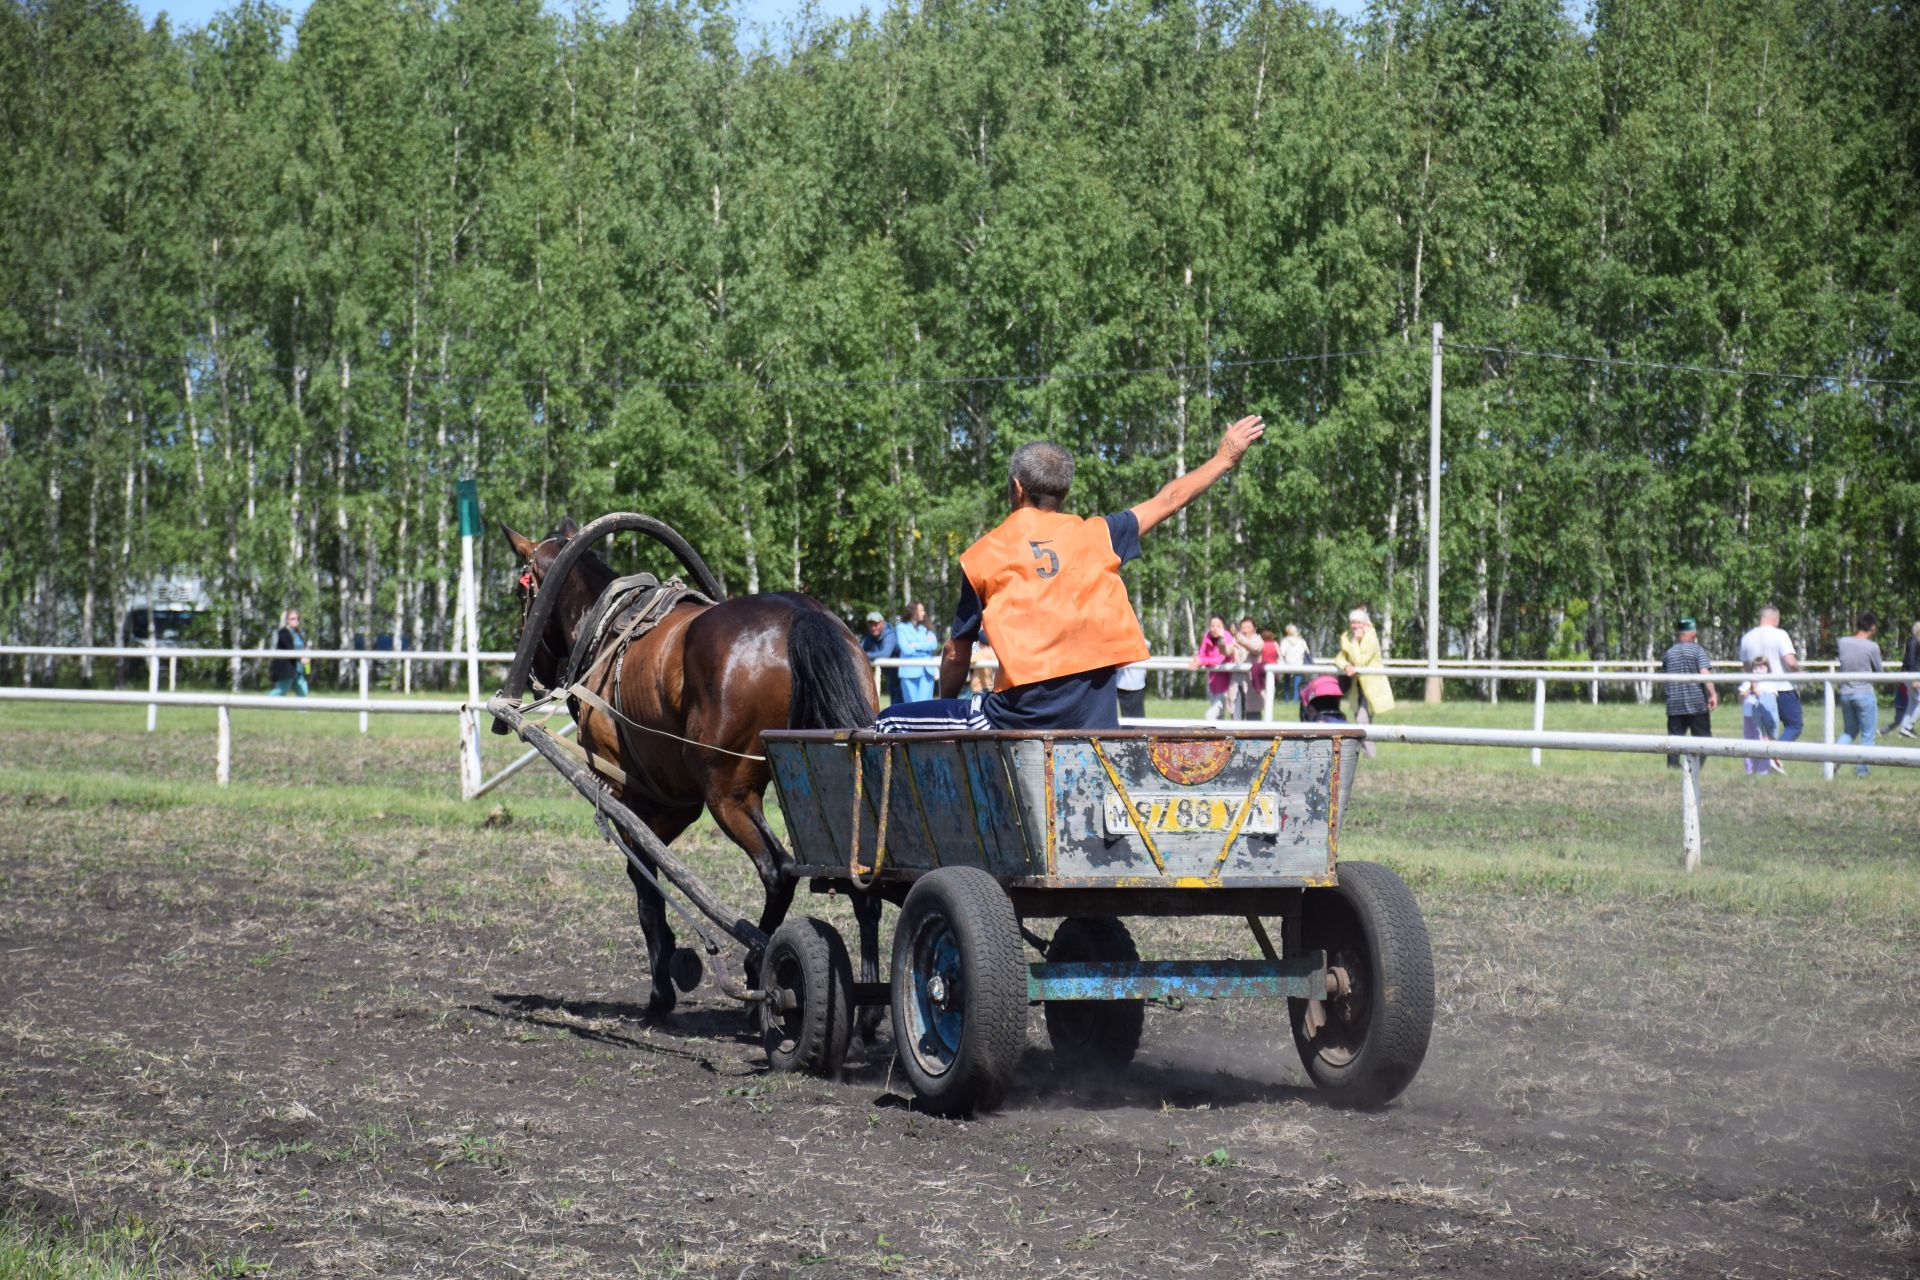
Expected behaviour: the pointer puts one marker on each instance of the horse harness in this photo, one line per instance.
(626, 611)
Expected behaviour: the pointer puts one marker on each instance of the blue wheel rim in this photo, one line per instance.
(936, 1032)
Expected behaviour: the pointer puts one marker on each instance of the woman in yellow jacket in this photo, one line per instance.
(1366, 696)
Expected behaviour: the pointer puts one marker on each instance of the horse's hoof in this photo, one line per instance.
(686, 968)
(660, 1007)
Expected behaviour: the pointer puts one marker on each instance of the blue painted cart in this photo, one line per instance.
(973, 835)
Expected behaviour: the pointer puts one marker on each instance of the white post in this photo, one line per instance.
(223, 751)
(153, 686)
(406, 675)
(1596, 685)
(1539, 714)
(1269, 694)
(1690, 810)
(173, 674)
(1433, 522)
(469, 754)
(1826, 770)
(363, 693)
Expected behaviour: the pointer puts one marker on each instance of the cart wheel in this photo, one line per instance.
(807, 1019)
(1102, 1034)
(959, 990)
(1368, 1042)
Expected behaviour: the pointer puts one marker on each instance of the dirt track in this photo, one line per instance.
(386, 1050)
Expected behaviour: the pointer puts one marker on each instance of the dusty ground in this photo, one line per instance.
(396, 1043)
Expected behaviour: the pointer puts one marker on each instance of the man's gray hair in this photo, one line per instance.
(1044, 470)
(1770, 608)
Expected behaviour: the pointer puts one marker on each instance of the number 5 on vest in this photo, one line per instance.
(1040, 551)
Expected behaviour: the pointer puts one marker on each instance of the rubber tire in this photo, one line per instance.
(964, 911)
(1370, 915)
(807, 956)
(1100, 1034)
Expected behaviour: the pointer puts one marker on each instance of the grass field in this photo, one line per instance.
(333, 1020)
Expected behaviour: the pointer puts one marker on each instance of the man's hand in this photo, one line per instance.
(1239, 438)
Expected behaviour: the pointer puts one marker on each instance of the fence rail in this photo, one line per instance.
(474, 784)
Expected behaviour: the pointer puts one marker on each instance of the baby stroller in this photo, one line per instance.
(1320, 701)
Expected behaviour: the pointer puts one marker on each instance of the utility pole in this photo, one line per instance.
(1433, 524)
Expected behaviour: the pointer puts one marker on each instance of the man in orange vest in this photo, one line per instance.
(1046, 587)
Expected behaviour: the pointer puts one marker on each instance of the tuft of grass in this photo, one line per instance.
(124, 1251)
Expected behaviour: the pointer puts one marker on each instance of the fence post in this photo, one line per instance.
(363, 693)
(173, 674)
(223, 749)
(469, 754)
(1539, 714)
(1690, 810)
(1826, 769)
(153, 686)
(1269, 694)
(1596, 684)
(406, 675)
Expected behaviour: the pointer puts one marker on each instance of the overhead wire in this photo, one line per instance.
(756, 384)
(1632, 363)
(895, 381)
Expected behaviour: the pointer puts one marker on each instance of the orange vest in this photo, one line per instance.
(1055, 605)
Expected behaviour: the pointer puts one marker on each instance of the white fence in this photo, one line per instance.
(471, 711)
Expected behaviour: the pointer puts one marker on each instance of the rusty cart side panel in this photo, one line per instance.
(1176, 809)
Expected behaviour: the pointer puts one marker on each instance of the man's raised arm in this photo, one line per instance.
(1178, 493)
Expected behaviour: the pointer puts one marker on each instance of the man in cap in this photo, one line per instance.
(1690, 703)
(880, 642)
(1047, 586)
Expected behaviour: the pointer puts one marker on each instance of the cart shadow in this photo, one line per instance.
(1042, 1082)
(557, 1013)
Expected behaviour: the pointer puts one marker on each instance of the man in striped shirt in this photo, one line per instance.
(1690, 704)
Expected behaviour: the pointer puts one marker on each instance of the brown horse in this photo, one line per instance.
(703, 683)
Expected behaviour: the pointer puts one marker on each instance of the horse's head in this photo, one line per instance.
(577, 594)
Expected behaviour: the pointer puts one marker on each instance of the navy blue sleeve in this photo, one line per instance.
(1124, 530)
(969, 615)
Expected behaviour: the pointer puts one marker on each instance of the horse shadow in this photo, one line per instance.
(578, 1018)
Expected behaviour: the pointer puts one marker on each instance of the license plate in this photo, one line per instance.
(1193, 813)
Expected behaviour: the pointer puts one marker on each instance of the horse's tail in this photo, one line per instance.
(831, 686)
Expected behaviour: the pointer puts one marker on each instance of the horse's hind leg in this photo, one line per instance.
(741, 817)
(652, 910)
(866, 913)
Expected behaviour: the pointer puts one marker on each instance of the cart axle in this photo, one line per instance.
(1302, 977)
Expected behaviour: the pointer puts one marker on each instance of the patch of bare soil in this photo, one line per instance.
(397, 1052)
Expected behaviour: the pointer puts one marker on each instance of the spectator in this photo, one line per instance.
(879, 642)
(1131, 682)
(1214, 653)
(1690, 705)
(289, 675)
(1257, 678)
(1768, 641)
(1367, 696)
(1910, 663)
(1859, 700)
(1247, 647)
(1759, 714)
(915, 639)
(1294, 653)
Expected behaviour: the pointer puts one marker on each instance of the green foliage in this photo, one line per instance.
(262, 300)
